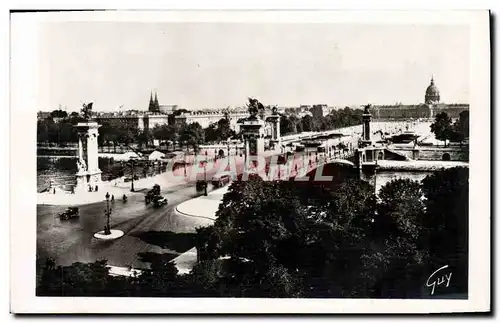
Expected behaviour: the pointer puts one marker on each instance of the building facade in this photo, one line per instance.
(206, 118)
(427, 110)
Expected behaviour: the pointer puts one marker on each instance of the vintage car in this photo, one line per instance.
(159, 201)
(152, 193)
(70, 213)
(221, 180)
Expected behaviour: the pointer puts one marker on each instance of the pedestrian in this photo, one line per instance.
(112, 198)
(96, 188)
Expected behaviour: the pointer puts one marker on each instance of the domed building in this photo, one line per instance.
(432, 93)
(426, 110)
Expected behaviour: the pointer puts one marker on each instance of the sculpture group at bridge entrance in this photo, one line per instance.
(88, 176)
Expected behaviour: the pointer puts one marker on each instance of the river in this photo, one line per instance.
(62, 170)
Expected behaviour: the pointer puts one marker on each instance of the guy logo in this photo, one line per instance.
(435, 279)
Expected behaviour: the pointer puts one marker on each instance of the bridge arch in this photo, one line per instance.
(337, 171)
(342, 162)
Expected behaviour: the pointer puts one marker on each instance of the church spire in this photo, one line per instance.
(151, 103)
(156, 104)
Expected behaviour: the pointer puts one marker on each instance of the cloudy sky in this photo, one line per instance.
(215, 65)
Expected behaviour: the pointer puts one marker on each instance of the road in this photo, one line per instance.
(149, 232)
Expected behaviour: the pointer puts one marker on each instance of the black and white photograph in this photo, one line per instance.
(193, 157)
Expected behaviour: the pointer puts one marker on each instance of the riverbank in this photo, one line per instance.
(418, 165)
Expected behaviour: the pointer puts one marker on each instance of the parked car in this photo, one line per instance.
(159, 201)
(70, 213)
(221, 180)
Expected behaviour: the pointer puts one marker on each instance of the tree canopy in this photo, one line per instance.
(444, 129)
(278, 239)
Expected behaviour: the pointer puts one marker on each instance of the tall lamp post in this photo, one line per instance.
(375, 175)
(205, 184)
(107, 230)
(132, 164)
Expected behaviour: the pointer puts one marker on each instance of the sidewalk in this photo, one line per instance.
(81, 198)
(203, 206)
(118, 187)
(200, 207)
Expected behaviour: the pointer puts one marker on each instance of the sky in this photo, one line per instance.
(218, 65)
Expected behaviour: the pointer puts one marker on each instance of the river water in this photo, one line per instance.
(62, 170)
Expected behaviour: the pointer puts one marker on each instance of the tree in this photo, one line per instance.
(66, 132)
(144, 137)
(44, 129)
(78, 279)
(192, 134)
(58, 114)
(160, 280)
(401, 209)
(259, 222)
(442, 127)
(219, 131)
(288, 125)
(461, 128)
(394, 260)
(447, 221)
(224, 130)
(462, 125)
(171, 117)
(308, 123)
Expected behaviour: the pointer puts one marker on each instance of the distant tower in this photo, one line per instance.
(156, 104)
(432, 93)
(151, 103)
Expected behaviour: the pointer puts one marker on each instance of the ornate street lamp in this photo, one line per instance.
(205, 175)
(107, 228)
(132, 163)
(375, 175)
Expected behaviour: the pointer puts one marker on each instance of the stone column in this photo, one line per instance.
(247, 153)
(278, 135)
(80, 147)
